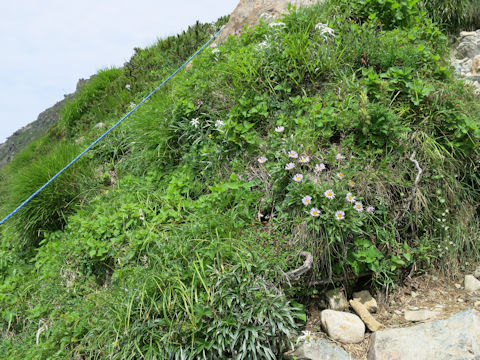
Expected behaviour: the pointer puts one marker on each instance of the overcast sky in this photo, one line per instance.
(47, 45)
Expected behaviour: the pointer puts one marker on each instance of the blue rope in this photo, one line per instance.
(109, 130)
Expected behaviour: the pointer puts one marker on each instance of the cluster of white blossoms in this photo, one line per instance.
(318, 168)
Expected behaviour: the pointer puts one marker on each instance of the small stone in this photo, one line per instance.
(471, 283)
(342, 326)
(413, 308)
(420, 315)
(398, 312)
(434, 278)
(413, 294)
(337, 300)
(367, 300)
(477, 272)
(460, 300)
(367, 318)
(476, 304)
(458, 286)
(319, 349)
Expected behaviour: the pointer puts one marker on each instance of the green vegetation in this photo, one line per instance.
(173, 238)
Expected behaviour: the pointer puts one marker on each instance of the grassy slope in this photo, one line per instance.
(170, 238)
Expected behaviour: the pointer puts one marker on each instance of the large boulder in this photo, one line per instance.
(249, 12)
(452, 339)
(342, 326)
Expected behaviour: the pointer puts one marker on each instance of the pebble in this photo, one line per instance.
(471, 283)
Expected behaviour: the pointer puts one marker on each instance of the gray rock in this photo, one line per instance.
(336, 300)
(420, 315)
(342, 326)
(456, 338)
(477, 269)
(466, 49)
(471, 284)
(319, 350)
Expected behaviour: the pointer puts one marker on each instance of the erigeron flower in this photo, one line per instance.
(127, 86)
(329, 194)
(319, 168)
(370, 209)
(314, 212)
(262, 160)
(298, 177)
(219, 123)
(339, 156)
(351, 183)
(306, 337)
(325, 30)
(194, 122)
(293, 154)
(279, 24)
(304, 159)
(339, 215)
(340, 175)
(350, 198)
(132, 105)
(279, 129)
(307, 200)
(289, 166)
(358, 206)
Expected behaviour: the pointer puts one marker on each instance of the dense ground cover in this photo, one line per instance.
(172, 238)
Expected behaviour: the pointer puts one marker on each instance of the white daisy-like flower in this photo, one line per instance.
(307, 200)
(214, 51)
(350, 198)
(298, 177)
(446, 228)
(358, 206)
(127, 86)
(351, 183)
(279, 25)
(289, 166)
(329, 194)
(339, 215)
(314, 212)
(279, 129)
(194, 122)
(340, 175)
(293, 154)
(325, 30)
(319, 168)
(339, 156)
(370, 209)
(132, 105)
(262, 160)
(219, 123)
(304, 159)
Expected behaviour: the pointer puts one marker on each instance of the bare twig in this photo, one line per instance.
(412, 196)
(295, 275)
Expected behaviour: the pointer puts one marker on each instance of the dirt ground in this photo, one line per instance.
(431, 292)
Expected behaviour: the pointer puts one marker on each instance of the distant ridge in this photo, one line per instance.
(24, 136)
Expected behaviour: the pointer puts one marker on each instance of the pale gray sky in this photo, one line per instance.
(48, 45)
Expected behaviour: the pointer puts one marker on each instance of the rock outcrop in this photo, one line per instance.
(249, 12)
(455, 338)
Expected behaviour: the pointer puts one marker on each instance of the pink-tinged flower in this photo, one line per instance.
(339, 215)
(304, 159)
(370, 209)
(351, 183)
(307, 200)
(358, 206)
(329, 194)
(339, 156)
(262, 160)
(289, 166)
(298, 177)
(292, 154)
(314, 212)
(319, 168)
(350, 198)
(279, 129)
(340, 175)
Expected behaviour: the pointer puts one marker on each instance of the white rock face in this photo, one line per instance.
(248, 12)
(471, 284)
(342, 326)
(456, 338)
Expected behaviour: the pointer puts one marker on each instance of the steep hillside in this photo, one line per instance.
(336, 135)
